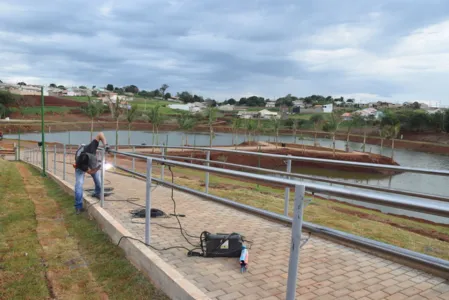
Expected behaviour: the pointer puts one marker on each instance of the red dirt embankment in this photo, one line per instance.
(294, 150)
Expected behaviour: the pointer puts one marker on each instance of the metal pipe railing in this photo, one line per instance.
(297, 220)
(308, 177)
(364, 196)
(315, 160)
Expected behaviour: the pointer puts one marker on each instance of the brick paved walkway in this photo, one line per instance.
(327, 270)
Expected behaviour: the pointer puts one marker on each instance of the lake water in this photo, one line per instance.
(427, 184)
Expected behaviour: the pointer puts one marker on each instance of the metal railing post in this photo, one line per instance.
(148, 202)
(207, 173)
(162, 166)
(287, 189)
(48, 155)
(103, 153)
(54, 160)
(134, 159)
(295, 242)
(63, 162)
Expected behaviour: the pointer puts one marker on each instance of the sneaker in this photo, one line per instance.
(95, 196)
(79, 210)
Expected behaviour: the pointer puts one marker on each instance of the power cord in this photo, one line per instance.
(148, 245)
(174, 208)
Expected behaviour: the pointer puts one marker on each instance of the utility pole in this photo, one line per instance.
(43, 132)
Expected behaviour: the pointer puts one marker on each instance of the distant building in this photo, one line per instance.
(248, 114)
(226, 107)
(298, 103)
(25, 90)
(266, 114)
(346, 116)
(328, 108)
(370, 112)
(270, 104)
(184, 107)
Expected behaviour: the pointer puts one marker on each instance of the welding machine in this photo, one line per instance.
(221, 244)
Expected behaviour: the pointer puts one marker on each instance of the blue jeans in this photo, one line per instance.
(79, 182)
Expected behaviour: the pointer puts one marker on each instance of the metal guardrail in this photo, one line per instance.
(308, 159)
(301, 176)
(364, 196)
(300, 188)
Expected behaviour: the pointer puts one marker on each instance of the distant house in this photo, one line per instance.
(270, 104)
(25, 90)
(346, 116)
(328, 108)
(248, 114)
(296, 109)
(298, 103)
(226, 107)
(434, 111)
(266, 114)
(370, 112)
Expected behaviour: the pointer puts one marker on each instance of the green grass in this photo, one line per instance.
(20, 268)
(47, 109)
(22, 276)
(147, 104)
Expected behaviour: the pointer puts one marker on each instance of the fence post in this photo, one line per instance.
(162, 166)
(295, 242)
(207, 173)
(287, 189)
(48, 155)
(148, 202)
(54, 160)
(19, 144)
(102, 177)
(63, 163)
(134, 159)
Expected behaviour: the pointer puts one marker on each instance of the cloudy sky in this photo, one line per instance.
(395, 50)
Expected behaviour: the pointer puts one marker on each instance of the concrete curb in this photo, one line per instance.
(160, 273)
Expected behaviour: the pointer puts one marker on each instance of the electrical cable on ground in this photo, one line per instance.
(158, 249)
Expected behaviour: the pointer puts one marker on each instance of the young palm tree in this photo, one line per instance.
(236, 125)
(332, 126)
(250, 127)
(186, 123)
(116, 112)
(93, 109)
(211, 116)
(391, 132)
(276, 125)
(155, 118)
(131, 115)
(317, 122)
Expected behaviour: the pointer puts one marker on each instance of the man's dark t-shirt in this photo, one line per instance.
(90, 150)
(92, 147)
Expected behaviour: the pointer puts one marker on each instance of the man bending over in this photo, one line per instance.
(86, 162)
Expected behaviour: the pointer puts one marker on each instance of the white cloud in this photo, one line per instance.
(343, 35)
(106, 9)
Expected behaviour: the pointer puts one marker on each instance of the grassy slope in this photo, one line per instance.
(47, 109)
(23, 278)
(21, 273)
